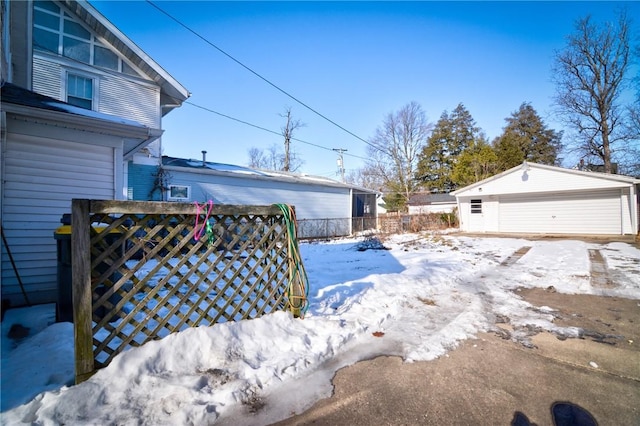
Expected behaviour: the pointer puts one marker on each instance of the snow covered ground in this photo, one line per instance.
(416, 300)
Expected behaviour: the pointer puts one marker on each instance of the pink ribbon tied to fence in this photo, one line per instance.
(207, 208)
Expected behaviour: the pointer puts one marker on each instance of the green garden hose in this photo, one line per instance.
(298, 288)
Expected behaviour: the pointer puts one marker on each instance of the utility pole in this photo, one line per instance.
(340, 151)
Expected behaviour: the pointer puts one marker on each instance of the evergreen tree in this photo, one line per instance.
(453, 134)
(475, 163)
(526, 137)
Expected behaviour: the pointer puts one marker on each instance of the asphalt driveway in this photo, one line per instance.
(488, 380)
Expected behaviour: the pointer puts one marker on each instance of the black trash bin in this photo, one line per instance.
(64, 305)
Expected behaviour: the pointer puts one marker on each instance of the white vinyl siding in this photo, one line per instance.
(310, 201)
(595, 212)
(433, 208)
(538, 180)
(41, 177)
(627, 204)
(117, 95)
(47, 78)
(133, 100)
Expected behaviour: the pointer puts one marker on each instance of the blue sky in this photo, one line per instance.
(354, 62)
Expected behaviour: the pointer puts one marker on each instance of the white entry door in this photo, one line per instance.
(476, 215)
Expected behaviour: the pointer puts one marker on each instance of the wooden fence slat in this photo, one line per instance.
(81, 289)
(155, 207)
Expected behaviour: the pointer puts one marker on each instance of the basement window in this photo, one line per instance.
(476, 206)
(179, 193)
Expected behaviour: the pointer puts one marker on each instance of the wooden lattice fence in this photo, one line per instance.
(139, 274)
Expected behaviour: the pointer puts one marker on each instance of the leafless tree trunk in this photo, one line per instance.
(590, 75)
(287, 131)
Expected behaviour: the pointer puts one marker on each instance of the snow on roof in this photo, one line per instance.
(17, 95)
(247, 171)
(72, 109)
(220, 167)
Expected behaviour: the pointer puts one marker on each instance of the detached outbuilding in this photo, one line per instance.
(541, 199)
(425, 203)
(324, 207)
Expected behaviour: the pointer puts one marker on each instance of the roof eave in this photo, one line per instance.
(611, 177)
(270, 177)
(84, 123)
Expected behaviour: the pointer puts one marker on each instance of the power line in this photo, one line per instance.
(234, 119)
(257, 74)
(246, 123)
(118, 74)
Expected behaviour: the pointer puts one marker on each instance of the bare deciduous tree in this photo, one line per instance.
(366, 178)
(287, 131)
(394, 150)
(590, 76)
(272, 158)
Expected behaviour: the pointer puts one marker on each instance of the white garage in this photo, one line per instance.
(541, 199)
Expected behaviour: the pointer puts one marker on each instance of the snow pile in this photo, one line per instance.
(416, 298)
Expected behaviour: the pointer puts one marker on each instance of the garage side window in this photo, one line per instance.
(476, 206)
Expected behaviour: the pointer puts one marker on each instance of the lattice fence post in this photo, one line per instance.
(81, 288)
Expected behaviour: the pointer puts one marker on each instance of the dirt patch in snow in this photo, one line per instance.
(609, 320)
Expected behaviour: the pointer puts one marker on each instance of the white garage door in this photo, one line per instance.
(596, 212)
(41, 177)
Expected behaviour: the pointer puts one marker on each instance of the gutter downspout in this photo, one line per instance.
(635, 209)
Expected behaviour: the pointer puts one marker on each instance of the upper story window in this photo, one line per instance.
(56, 31)
(80, 91)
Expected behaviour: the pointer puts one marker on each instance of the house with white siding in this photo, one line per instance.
(426, 203)
(541, 199)
(81, 105)
(324, 207)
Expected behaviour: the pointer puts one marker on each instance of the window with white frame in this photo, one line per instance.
(57, 32)
(476, 206)
(179, 193)
(80, 91)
